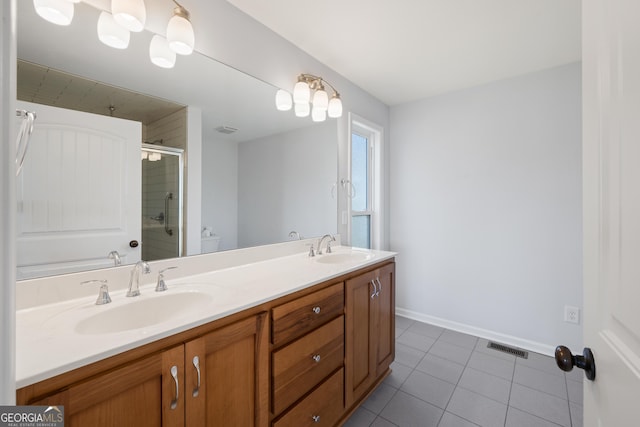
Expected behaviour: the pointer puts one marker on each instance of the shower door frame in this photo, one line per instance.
(179, 152)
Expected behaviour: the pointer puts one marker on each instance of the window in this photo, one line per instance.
(364, 185)
(360, 191)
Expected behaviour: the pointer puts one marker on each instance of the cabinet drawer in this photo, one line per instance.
(323, 407)
(304, 314)
(301, 365)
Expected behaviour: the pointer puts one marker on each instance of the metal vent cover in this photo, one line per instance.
(509, 350)
(226, 129)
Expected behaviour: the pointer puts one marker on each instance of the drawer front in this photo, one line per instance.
(301, 365)
(322, 408)
(295, 318)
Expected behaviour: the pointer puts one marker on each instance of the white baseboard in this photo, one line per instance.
(522, 343)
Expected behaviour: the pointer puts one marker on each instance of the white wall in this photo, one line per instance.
(220, 190)
(486, 208)
(284, 185)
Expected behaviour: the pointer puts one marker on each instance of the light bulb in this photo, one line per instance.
(283, 100)
(301, 93)
(318, 114)
(180, 32)
(154, 157)
(320, 99)
(335, 107)
(145, 155)
(302, 110)
(111, 33)
(59, 12)
(131, 14)
(160, 53)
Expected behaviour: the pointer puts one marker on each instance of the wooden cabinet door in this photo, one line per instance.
(360, 302)
(233, 364)
(384, 323)
(141, 393)
(370, 329)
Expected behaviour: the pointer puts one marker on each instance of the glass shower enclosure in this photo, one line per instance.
(162, 201)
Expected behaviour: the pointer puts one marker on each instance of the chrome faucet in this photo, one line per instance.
(331, 239)
(115, 256)
(295, 234)
(103, 296)
(134, 282)
(161, 285)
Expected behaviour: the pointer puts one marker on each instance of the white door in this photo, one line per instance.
(78, 193)
(611, 191)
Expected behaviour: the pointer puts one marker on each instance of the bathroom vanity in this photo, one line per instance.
(290, 341)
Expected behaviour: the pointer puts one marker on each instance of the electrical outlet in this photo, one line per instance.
(571, 314)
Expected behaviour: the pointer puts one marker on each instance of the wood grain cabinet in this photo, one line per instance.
(305, 359)
(370, 330)
(307, 379)
(218, 379)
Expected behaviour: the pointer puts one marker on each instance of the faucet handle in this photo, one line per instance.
(161, 285)
(103, 296)
(312, 252)
(328, 251)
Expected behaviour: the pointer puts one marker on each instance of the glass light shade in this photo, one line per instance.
(302, 109)
(180, 35)
(283, 100)
(154, 157)
(145, 155)
(320, 99)
(74, 1)
(301, 93)
(59, 12)
(131, 14)
(318, 114)
(111, 33)
(160, 52)
(335, 107)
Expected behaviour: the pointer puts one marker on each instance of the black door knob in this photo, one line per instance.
(133, 244)
(566, 361)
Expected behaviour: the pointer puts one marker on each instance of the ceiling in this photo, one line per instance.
(405, 50)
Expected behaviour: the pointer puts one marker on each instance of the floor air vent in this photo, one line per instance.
(510, 350)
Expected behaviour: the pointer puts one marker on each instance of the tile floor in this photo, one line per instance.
(443, 378)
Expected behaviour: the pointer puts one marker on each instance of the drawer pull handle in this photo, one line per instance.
(174, 374)
(379, 287)
(316, 418)
(316, 358)
(375, 289)
(316, 310)
(196, 364)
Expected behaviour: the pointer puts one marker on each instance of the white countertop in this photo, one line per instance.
(49, 341)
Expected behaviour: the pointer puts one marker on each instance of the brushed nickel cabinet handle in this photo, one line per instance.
(375, 289)
(174, 374)
(316, 358)
(316, 418)
(316, 309)
(379, 286)
(196, 364)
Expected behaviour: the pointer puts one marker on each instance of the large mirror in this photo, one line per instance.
(250, 174)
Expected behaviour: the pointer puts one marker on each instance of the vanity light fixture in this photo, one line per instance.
(303, 103)
(160, 52)
(59, 12)
(180, 31)
(131, 14)
(111, 33)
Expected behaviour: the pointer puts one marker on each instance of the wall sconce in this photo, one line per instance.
(131, 14)
(319, 106)
(180, 31)
(59, 12)
(111, 33)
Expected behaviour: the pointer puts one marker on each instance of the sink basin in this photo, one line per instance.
(143, 313)
(343, 257)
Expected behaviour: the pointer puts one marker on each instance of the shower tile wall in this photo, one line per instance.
(157, 180)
